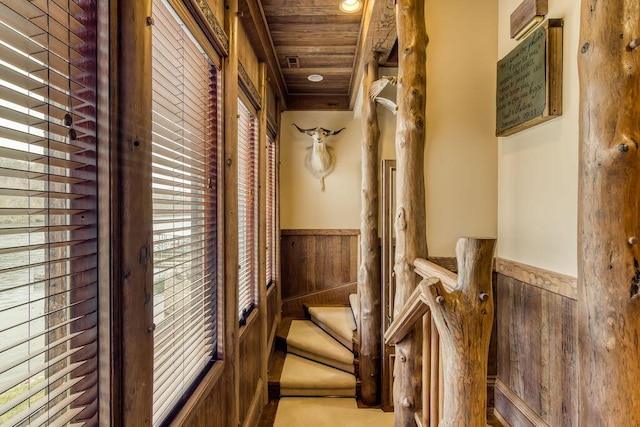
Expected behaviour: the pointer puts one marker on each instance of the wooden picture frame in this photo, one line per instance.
(519, 72)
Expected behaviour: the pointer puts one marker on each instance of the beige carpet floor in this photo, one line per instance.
(328, 412)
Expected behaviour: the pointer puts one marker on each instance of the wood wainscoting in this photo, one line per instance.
(537, 344)
(318, 267)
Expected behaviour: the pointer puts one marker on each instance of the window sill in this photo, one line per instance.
(250, 320)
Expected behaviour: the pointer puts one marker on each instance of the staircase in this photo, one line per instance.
(315, 356)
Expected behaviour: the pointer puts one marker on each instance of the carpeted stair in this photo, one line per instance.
(316, 355)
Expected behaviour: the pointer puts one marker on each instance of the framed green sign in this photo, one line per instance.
(529, 81)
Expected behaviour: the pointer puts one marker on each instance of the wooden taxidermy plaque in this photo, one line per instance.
(529, 81)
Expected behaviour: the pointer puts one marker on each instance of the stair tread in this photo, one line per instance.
(303, 377)
(336, 321)
(308, 340)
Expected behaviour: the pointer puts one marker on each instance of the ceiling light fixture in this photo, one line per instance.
(315, 78)
(350, 6)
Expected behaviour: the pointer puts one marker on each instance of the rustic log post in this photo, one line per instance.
(410, 220)
(464, 319)
(609, 214)
(369, 326)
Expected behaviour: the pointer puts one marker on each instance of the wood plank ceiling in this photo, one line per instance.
(298, 38)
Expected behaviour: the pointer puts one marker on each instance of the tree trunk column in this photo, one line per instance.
(369, 287)
(609, 214)
(464, 319)
(410, 217)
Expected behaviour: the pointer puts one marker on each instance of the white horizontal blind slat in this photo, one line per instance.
(247, 180)
(48, 212)
(184, 114)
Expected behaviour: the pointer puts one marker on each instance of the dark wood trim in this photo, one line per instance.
(550, 281)
(256, 22)
(318, 102)
(525, 13)
(249, 89)
(133, 275)
(387, 278)
(208, 21)
(320, 232)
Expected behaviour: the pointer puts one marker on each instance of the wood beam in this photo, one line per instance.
(378, 33)
(369, 324)
(609, 213)
(318, 102)
(410, 217)
(255, 23)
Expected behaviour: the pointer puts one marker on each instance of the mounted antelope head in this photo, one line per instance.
(319, 160)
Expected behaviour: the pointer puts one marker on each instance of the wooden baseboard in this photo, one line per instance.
(550, 281)
(514, 410)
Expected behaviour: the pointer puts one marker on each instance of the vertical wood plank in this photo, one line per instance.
(536, 354)
(263, 353)
(133, 272)
(230, 345)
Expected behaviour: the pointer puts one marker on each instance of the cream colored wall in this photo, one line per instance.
(461, 149)
(460, 162)
(303, 205)
(538, 167)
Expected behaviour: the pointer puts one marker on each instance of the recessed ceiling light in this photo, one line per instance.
(350, 6)
(315, 78)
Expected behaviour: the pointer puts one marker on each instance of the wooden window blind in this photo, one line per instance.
(272, 212)
(185, 94)
(48, 213)
(247, 182)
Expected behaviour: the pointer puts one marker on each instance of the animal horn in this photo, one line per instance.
(307, 131)
(333, 132)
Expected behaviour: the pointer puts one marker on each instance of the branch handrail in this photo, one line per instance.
(416, 306)
(428, 269)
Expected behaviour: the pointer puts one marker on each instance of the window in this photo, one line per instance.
(247, 179)
(271, 207)
(48, 213)
(185, 181)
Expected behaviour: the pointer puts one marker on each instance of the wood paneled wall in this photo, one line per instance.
(250, 368)
(272, 309)
(317, 263)
(247, 56)
(537, 344)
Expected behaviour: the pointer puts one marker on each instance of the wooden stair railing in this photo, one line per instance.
(455, 351)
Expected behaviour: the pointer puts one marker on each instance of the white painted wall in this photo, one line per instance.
(538, 167)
